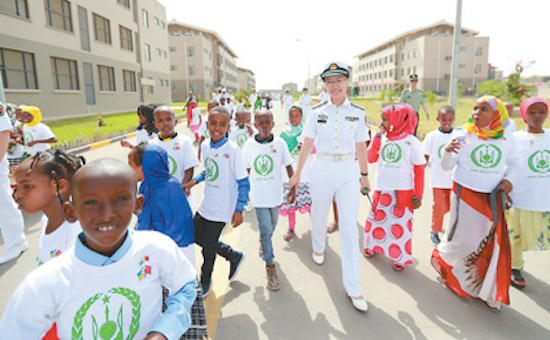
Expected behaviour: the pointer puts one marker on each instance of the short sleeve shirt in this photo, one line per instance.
(413, 98)
(433, 146)
(396, 163)
(181, 154)
(5, 125)
(336, 129)
(39, 131)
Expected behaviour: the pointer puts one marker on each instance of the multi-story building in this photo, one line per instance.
(74, 58)
(426, 51)
(315, 84)
(292, 87)
(200, 61)
(247, 79)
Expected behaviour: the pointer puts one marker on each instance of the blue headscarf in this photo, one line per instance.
(165, 207)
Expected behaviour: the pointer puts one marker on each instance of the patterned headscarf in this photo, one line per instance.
(402, 120)
(528, 102)
(496, 129)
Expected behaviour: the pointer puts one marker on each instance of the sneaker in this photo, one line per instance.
(359, 304)
(205, 289)
(14, 252)
(273, 282)
(434, 237)
(235, 265)
(517, 279)
(318, 259)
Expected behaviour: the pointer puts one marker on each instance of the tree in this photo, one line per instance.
(491, 87)
(431, 97)
(516, 91)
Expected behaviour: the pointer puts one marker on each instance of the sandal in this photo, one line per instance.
(517, 279)
(493, 306)
(332, 228)
(398, 267)
(289, 234)
(261, 249)
(368, 253)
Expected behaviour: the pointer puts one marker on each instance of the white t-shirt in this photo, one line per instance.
(196, 116)
(181, 154)
(5, 125)
(481, 164)
(143, 136)
(512, 126)
(239, 136)
(39, 131)
(433, 146)
(252, 99)
(396, 163)
(288, 100)
(305, 101)
(54, 244)
(122, 299)
(532, 184)
(266, 163)
(224, 166)
(203, 130)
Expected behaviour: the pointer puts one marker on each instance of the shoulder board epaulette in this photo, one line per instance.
(319, 105)
(357, 106)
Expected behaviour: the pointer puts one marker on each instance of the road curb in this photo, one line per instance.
(101, 143)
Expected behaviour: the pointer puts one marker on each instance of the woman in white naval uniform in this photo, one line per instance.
(338, 129)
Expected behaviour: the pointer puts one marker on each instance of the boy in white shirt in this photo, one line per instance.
(440, 180)
(241, 132)
(265, 157)
(225, 194)
(38, 136)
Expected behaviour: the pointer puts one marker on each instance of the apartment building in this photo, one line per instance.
(200, 61)
(426, 51)
(75, 58)
(246, 79)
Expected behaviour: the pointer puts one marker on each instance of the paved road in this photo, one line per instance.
(312, 302)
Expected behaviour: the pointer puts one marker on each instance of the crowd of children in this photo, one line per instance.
(478, 171)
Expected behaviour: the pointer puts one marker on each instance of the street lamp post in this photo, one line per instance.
(453, 86)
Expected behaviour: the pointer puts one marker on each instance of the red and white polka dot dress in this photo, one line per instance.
(388, 229)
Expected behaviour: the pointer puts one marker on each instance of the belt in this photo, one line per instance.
(336, 158)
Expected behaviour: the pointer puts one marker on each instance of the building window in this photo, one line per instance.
(18, 8)
(125, 3)
(408, 70)
(479, 50)
(461, 66)
(126, 38)
(409, 55)
(106, 78)
(402, 56)
(414, 53)
(102, 29)
(164, 55)
(192, 70)
(172, 49)
(160, 82)
(173, 67)
(129, 81)
(158, 52)
(162, 25)
(18, 69)
(65, 74)
(145, 16)
(150, 90)
(385, 60)
(477, 68)
(147, 51)
(58, 14)
(157, 21)
(190, 51)
(414, 69)
(462, 48)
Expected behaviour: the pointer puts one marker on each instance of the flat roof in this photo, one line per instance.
(245, 70)
(196, 28)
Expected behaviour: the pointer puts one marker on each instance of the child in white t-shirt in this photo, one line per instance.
(440, 180)
(109, 285)
(510, 125)
(399, 186)
(38, 136)
(204, 133)
(241, 132)
(529, 219)
(146, 130)
(195, 122)
(181, 154)
(265, 157)
(225, 194)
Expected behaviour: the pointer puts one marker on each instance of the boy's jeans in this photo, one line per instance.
(267, 221)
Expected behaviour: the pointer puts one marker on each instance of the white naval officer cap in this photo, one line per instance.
(334, 69)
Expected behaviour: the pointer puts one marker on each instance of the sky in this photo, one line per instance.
(275, 39)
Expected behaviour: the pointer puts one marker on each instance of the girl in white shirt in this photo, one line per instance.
(399, 186)
(474, 256)
(529, 219)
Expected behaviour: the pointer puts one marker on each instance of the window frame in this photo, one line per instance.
(126, 36)
(109, 76)
(27, 71)
(73, 76)
(65, 13)
(105, 30)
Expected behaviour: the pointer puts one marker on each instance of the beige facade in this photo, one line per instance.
(315, 84)
(75, 58)
(200, 61)
(292, 87)
(426, 51)
(247, 79)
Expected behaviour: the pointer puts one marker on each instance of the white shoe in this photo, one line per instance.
(318, 259)
(360, 304)
(14, 252)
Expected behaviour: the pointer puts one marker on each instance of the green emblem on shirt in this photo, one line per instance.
(27, 138)
(486, 156)
(108, 329)
(440, 151)
(539, 161)
(172, 165)
(241, 139)
(212, 169)
(391, 153)
(263, 164)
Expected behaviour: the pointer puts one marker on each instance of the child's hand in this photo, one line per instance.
(155, 336)
(293, 182)
(291, 197)
(32, 143)
(237, 219)
(453, 146)
(505, 186)
(125, 144)
(365, 182)
(187, 186)
(416, 202)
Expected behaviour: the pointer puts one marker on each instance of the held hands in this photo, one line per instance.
(293, 182)
(237, 219)
(505, 186)
(291, 197)
(187, 186)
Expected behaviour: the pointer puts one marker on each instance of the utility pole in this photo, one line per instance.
(2, 95)
(453, 86)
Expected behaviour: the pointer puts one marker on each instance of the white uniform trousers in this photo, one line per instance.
(339, 180)
(11, 220)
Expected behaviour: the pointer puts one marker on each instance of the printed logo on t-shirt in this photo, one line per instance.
(55, 253)
(486, 156)
(98, 314)
(440, 151)
(212, 169)
(145, 268)
(540, 161)
(241, 139)
(391, 153)
(28, 138)
(263, 164)
(172, 165)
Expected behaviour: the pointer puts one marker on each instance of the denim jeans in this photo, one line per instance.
(267, 221)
